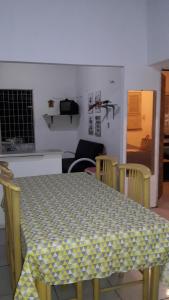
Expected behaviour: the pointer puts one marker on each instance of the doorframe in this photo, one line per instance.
(161, 136)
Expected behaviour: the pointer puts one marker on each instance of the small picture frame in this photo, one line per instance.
(97, 100)
(98, 126)
(91, 125)
(90, 103)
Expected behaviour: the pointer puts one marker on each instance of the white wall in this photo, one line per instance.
(110, 32)
(136, 77)
(92, 79)
(158, 36)
(47, 81)
(93, 32)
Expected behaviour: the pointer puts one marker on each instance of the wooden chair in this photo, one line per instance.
(4, 170)
(106, 170)
(134, 181)
(11, 202)
(4, 163)
(8, 173)
(12, 211)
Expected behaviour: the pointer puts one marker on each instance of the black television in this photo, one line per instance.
(69, 107)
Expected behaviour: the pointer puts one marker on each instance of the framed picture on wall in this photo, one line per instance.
(97, 99)
(91, 125)
(90, 102)
(98, 126)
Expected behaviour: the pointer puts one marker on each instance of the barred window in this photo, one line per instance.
(16, 115)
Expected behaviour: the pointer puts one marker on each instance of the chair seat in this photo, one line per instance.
(79, 167)
(91, 170)
(85, 149)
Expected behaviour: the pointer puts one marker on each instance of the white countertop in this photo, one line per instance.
(31, 153)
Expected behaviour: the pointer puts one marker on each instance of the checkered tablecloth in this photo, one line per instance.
(76, 228)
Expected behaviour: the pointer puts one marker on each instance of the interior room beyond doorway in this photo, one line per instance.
(140, 128)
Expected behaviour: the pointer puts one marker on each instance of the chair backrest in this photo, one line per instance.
(134, 180)
(4, 170)
(4, 163)
(12, 211)
(106, 170)
(88, 149)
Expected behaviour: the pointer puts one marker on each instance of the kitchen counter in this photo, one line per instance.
(31, 153)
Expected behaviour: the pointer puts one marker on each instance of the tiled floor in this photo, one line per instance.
(127, 293)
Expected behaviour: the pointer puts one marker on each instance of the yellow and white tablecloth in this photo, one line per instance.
(76, 228)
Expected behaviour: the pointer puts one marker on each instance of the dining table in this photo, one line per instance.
(76, 228)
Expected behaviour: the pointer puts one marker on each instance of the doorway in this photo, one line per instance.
(164, 142)
(141, 128)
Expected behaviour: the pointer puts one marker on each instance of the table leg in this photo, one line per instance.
(146, 284)
(96, 289)
(44, 290)
(79, 290)
(154, 285)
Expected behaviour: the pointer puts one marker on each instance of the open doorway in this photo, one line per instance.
(164, 142)
(163, 177)
(141, 128)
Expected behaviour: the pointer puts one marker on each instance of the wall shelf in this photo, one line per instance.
(61, 122)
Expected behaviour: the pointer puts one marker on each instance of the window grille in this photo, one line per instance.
(16, 115)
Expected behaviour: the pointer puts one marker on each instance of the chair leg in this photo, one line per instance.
(12, 267)
(44, 290)
(96, 289)
(154, 286)
(146, 284)
(79, 291)
(7, 239)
